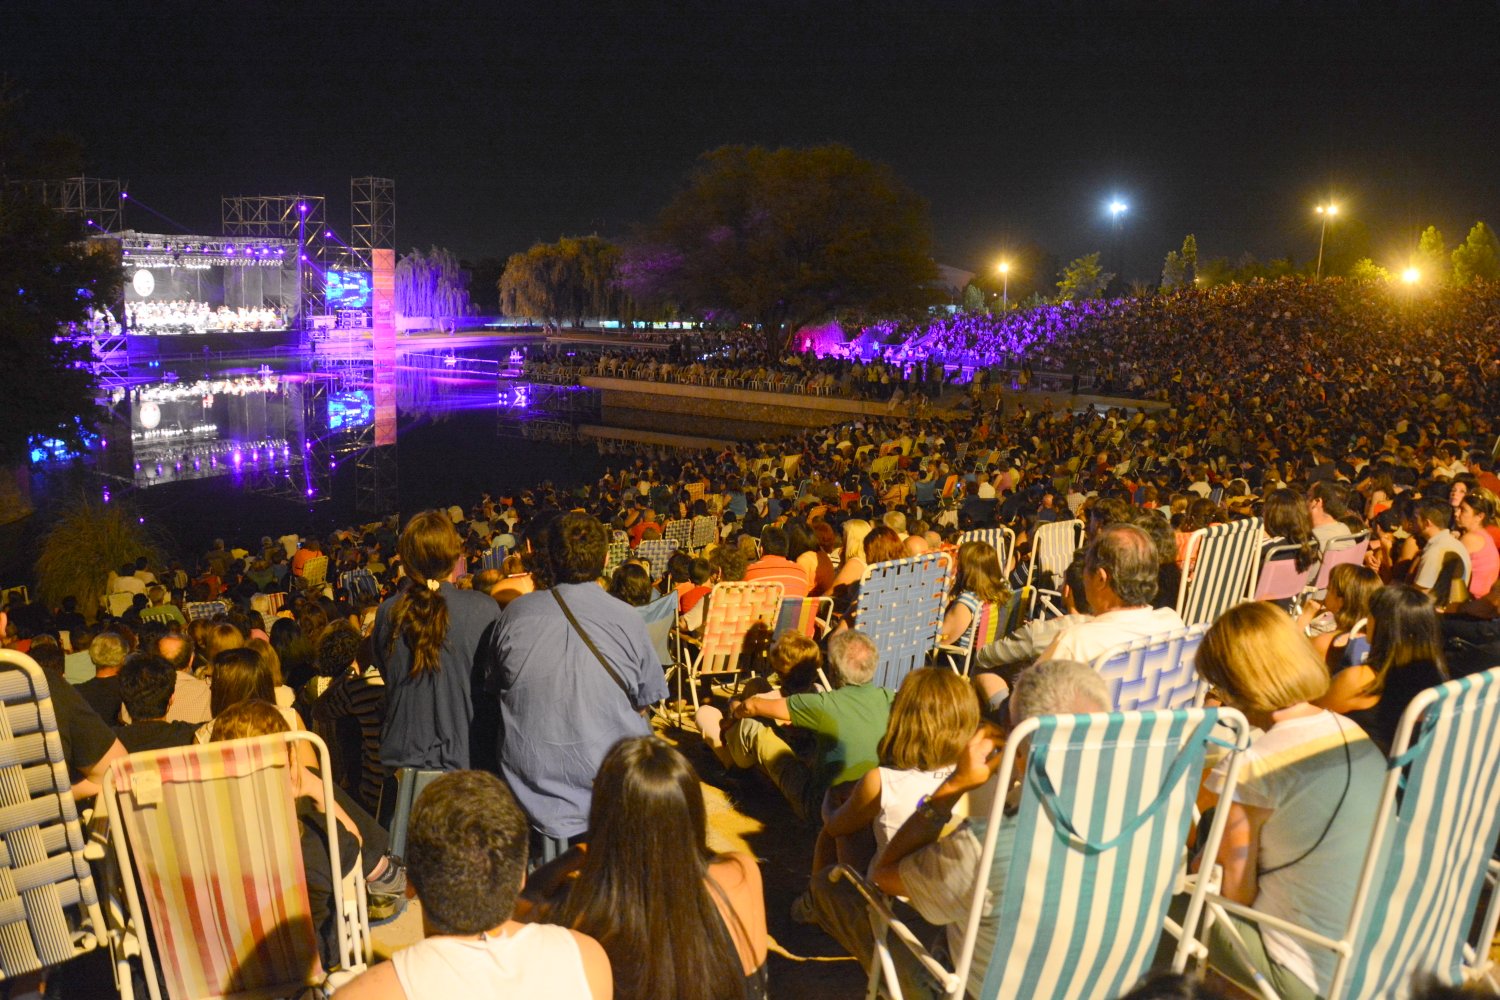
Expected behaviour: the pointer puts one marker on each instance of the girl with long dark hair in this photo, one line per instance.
(428, 638)
(678, 921)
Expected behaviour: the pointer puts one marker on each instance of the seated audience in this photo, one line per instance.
(107, 651)
(1120, 574)
(147, 685)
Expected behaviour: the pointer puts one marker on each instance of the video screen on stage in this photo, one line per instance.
(350, 409)
(192, 285)
(346, 290)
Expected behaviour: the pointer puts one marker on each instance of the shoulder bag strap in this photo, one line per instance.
(613, 675)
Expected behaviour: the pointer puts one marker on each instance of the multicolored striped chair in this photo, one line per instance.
(900, 609)
(1430, 854)
(812, 616)
(49, 910)
(208, 848)
(1100, 835)
(730, 634)
(1222, 563)
(984, 628)
(1155, 672)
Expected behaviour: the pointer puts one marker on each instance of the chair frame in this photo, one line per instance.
(721, 646)
(1001, 534)
(351, 915)
(903, 644)
(1133, 654)
(1408, 745)
(954, 982)
(1242, 539)
(1045, 552)
(32, 765)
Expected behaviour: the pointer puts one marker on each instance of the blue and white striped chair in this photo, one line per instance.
(1100, 847)
(1052, 549)
(1430, 854)
(1001, 539)
(901, 610)
(656, 551)
(1154, 673)
(360, 584)
(1222, 561)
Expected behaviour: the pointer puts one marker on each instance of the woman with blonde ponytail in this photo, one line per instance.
(428, 639)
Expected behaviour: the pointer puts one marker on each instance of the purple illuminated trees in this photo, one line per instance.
(574, 278)
(432, 284)
(783, 238)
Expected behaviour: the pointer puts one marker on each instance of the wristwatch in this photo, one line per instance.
(935, 814)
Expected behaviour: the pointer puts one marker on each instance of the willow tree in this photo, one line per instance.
(573, 279)
(432, 284)
(783, 238)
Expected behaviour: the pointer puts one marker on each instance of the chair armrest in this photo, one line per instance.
(884, 916)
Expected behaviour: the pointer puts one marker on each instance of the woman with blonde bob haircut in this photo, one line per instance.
(1300, 820)
(933, 716)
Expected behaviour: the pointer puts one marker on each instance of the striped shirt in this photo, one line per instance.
(349, 717)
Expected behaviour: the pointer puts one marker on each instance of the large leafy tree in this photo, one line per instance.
(1083, 279)
(1432, 258)
(49, 278)
(1477, 257)
(782, 238)
(574, 278)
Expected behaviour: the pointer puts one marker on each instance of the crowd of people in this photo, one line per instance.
(488, 642)
(185, 316)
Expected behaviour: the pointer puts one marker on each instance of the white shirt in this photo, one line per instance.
(1088, 640)
(539, 960)
(1430, 562)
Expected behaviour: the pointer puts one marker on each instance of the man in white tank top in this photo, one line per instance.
(466, 860)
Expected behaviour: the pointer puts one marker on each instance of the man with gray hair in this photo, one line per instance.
(1120, 570)
(937, 873)
(846, 725)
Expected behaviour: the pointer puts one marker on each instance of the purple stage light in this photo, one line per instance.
(124, 195)
(304, 256)
(301, 208)
(309, 491)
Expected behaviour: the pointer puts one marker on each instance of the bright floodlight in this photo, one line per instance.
(1004, 267)
(1411, 276)
(1116, 207)
(1328, 209)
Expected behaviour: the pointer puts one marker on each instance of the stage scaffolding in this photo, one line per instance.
(302, 218)
(95, 202)
(372, 216)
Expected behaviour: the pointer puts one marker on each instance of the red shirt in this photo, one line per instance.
(778, 569)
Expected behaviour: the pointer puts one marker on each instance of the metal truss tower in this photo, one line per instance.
(93, 201)
(299, 217)
(372, 216)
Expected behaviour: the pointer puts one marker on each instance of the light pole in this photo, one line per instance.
(1326, 212)
(1004, 286)
(1118, 208)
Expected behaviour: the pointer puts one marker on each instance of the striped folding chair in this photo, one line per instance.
(1430, 854)
(812, 616)
(1001, 539)
(900, 609)
(360, 584)
(656, 551)
(49, 910)
(705, 532)
(984, 628)
(679, 533)
(1052, 548)
(208, 848)
(495, 558)
(1221, 571)
(1100, 834)
(1154, 673)
(731, 638)
(196, 611)
(619, 551)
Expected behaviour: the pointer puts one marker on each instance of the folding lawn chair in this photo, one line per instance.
(619, 551)
(1154, 673)
(812, 616)
(705, 532)
(360, 584)
(1221, 570)
(984, 628)
(49, 910)
(660, 615)
(656, 551)
(1279, 578)
(900, 609)
(730, 637)
(1100, 846)
(315, 573)
(1430, 855)
(1052, 549)
(679, 533)
(1002, 539)
(1350, 549)
(208, 849)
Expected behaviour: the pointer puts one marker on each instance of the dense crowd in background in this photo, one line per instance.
(1329, 410)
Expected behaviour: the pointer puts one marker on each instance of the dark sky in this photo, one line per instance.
(507, 123)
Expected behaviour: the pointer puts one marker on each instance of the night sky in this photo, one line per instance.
(504, 123)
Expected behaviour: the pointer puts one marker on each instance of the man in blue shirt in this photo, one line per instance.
(560, 709)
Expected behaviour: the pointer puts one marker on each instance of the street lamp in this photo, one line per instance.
(1118, 208)
(1411, 276)
(1326, 212)
(1004, 285)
